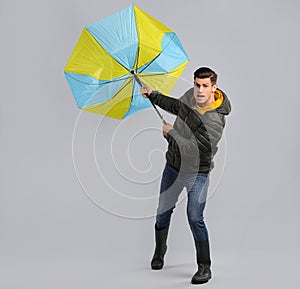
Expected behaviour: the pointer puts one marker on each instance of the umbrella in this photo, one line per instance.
(116, 55)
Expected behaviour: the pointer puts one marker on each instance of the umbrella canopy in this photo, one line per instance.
(112, 52)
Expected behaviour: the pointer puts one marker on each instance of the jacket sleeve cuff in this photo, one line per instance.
(154, 96)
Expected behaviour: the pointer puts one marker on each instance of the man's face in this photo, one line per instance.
(203, 91)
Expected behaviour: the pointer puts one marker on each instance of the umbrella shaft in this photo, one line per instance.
(137, 79)
(141, 85)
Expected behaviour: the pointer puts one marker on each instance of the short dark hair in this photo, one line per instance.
(206, 72)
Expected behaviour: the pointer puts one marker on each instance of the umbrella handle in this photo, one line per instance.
(141, 85)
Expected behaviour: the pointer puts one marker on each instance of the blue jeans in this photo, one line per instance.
(172, 184)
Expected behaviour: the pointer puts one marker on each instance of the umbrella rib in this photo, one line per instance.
(150, 62)
(122, 88)
(157, 57)
(138, 35)
(152, 74)
(155, 74)
(137, 58)
(108, 81)
(98, 43)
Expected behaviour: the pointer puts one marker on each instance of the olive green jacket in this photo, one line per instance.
(193, 142)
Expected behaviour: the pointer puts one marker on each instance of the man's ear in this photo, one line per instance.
(214, 87)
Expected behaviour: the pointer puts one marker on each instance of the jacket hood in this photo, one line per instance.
(225, 107)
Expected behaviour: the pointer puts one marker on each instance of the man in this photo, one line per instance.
(192, 144)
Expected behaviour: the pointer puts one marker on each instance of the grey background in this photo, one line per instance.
(52, 235)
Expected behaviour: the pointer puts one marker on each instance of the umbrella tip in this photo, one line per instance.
(132, 72)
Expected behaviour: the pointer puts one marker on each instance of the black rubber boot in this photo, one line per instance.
(157, 261)
(203, 260)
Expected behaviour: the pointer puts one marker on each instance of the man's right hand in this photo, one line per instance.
(145, 91)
